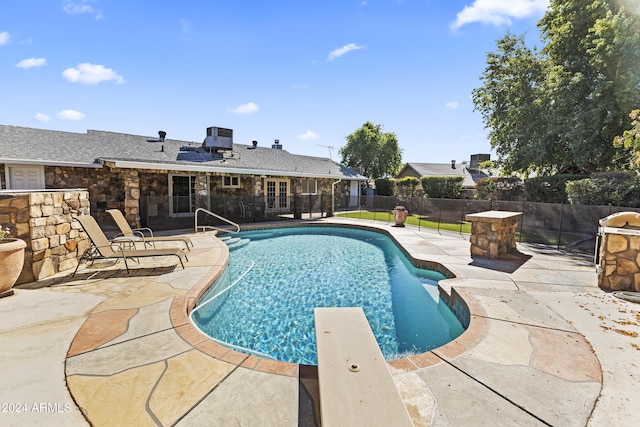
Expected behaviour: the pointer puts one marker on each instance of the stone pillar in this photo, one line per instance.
(493, 233)
(619, 266)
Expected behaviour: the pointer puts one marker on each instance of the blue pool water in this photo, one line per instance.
(264, 301)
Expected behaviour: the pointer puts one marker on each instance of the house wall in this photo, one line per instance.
(105, 186)
(112, 188)
(408, 172)
(44, 220)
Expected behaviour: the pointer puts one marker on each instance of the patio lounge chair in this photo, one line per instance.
(102, 248)
(137, 234)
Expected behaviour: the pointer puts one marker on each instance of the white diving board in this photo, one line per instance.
(356, 387)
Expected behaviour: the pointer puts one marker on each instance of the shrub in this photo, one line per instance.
(385, 187)
(406, 187)
(500, 188)
(442, 187)
(549, 189)
(608, 188)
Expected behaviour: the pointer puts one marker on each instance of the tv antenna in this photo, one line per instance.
(331, 149)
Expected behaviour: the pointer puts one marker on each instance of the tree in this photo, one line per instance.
(510, 105)
(376, 153)
(564, 105)
(630, 139)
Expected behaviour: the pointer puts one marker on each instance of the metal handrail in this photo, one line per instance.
(204, 227)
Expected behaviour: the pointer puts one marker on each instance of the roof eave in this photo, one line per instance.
(49, 163)
(127, 164)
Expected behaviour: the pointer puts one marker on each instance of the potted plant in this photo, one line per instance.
(11, 261)
(400, 214)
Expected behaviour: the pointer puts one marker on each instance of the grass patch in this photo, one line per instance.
(416, 220)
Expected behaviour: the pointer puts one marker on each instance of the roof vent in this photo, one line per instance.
(453, 164)
(276, 144)
(255, 143)
(161, 135)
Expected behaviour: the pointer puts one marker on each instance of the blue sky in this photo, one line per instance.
(308, 73)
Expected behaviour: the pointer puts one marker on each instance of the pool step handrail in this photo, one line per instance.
(212, 227)
(199, 306)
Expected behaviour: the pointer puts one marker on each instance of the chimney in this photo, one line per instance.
(453, 164)
(276, 144)
(161, 134)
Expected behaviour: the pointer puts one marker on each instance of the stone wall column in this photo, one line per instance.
(131, 180)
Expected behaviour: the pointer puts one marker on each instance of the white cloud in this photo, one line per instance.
(451, 105)
(499, 12)
(70, 115)
(337, 53)
(90, 74)
(248, 108)
(42, 117)
(31, 63)
(308, 135)
(81, 7)
(5, 38)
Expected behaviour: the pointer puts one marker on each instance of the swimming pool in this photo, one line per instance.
(263, 302)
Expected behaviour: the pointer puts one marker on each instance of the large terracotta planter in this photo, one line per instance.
(11, 262)
(400, 215)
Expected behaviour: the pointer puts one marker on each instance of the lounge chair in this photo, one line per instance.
(137, 234)
(102, 248)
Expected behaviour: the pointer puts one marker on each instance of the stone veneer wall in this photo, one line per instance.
(492, 238)
(44, 220)
(619, 267)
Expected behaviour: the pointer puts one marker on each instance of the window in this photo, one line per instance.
(309, 186)
(230, 181)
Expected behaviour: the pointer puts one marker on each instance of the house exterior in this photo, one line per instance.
(469, 171)
(160, 177)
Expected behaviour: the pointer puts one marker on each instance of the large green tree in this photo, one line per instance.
(377, 153)
(563, 106)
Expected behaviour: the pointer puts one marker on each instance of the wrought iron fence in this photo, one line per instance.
(568, 227)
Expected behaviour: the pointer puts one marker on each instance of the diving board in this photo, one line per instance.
(356, 387)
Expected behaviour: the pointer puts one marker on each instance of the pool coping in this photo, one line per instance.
(181, 308)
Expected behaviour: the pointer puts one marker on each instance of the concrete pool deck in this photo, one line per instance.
(545, 347)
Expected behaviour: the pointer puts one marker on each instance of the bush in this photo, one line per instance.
(442, 187)
(385, 187)
(500, 188)
(608, 188)
(406, 187)
(549, 189)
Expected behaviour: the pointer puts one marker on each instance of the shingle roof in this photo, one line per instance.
(445, 169)
(37, 146)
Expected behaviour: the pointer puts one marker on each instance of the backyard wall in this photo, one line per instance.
(44, 220)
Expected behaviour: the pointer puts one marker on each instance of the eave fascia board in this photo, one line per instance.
(10, 161)
(125, 164)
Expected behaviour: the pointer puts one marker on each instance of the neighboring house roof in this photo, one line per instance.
(21, 145)
(443, 169)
